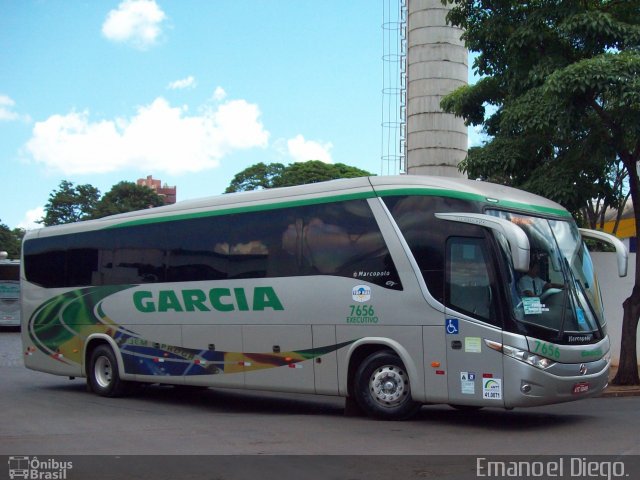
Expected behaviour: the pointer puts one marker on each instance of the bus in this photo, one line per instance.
(9, 292)
(391, 291)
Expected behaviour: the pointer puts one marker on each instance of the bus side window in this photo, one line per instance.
(197, 249)
(344, 239)
(255, 245)
(468, 279)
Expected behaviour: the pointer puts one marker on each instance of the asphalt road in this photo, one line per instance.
(41, 414)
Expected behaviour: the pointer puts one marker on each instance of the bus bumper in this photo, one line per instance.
(528, 386)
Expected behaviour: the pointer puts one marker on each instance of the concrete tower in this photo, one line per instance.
(436, 65)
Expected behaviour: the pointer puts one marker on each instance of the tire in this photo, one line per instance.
(103, 376)
(382, 388)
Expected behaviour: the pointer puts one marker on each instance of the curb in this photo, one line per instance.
(621, 391)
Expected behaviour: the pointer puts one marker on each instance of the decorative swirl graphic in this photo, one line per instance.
(60, 327)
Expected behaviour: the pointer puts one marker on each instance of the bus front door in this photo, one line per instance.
(474, 371)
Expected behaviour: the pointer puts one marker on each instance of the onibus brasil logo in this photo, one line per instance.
(361, 293)
(38, 469)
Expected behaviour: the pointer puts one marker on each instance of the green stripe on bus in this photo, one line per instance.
(535, 208)
(474, 197)
(246, 209)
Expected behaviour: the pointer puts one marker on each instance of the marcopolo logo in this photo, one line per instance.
(361, 293)
(38, 469)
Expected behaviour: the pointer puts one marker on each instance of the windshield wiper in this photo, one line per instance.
(578, 296)
(585, 296)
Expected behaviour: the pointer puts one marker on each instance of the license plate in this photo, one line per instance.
(581, 387)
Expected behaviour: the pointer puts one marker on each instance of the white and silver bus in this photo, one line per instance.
(9, 291)
(390, 291)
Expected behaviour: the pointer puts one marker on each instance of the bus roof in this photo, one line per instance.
(362, 187)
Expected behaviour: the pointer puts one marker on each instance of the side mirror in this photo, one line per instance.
(621, 251)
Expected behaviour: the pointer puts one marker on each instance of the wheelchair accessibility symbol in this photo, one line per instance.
(452, 326)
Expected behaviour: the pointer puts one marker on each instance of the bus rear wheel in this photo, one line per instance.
(382, 388)
(103, 376)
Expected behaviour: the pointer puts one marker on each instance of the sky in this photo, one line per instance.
(189, 91)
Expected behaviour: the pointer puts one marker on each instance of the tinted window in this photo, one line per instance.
(344, 239)
(47, 268)
(197, 249)
(339, 238)
(256, 245)
(82, 264)
(130, 265)
(468, 284)
(10, 272)
(426, 235)
(130, 255)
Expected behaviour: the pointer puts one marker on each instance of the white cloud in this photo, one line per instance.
(6, 107)
(137, 22)
(74, 145)
(183, 83)
(30, 218)
(219, 94)
(302, 150)
(239, 126)
(158, 137)
(7, 113)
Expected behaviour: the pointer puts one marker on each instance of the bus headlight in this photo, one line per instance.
(524, 356)
(527, 357)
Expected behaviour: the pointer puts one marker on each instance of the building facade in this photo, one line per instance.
(167, 193)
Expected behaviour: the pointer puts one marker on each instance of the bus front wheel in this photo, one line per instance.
(382, 388)
(103, 376)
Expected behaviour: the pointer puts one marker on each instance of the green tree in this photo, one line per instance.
(255, 177)
(70, 204)
(126, 197)
(277, 175)
(11, 240)
(562, 80)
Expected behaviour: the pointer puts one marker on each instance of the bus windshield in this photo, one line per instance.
(558, 299)
(9, 293)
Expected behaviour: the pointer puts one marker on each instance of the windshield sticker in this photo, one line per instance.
(492, 388)
(473, 344)
(582, 321)
(533, 306)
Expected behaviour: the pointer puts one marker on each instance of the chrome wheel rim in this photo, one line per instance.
(389, 385)
(103, 372)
